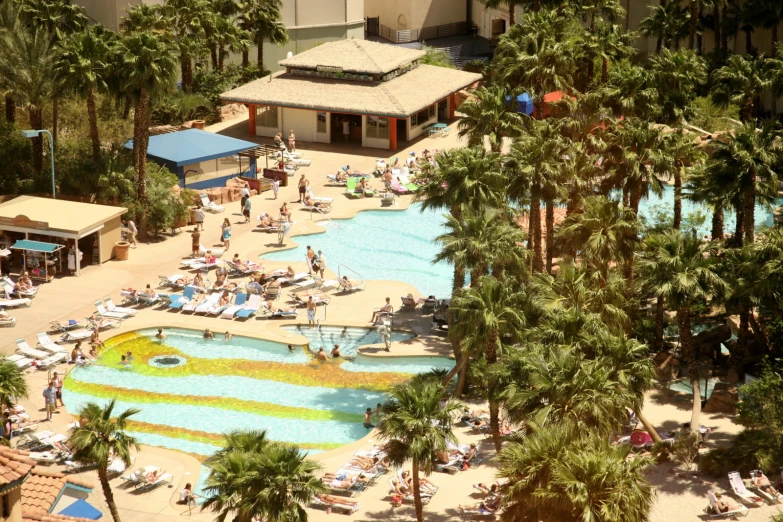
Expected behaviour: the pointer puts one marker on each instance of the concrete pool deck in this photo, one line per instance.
(73, 297)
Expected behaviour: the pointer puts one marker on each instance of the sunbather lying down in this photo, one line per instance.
(725, 504)
(343, 480)
(424, 484)
(485, 508)
(367, 463)
(276, 309)
(155, 475)
(331, 499)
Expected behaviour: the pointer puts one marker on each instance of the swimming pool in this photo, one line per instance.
(191, 391)
(349, 338)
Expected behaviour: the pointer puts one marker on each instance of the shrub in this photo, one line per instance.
(752, 449)
(685, 449)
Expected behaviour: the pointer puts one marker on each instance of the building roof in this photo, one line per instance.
(55, 214)
(50, 517)
(397, 98)
(43, 488)
(359, 56)
(14, 465)
(192, 146)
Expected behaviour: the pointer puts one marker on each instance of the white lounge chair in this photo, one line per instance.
(8, 286)
(239, 303)
(297, 277)
(15, 303)
(210, 206)
(738, 486)
(251, 307)
(51, 361)
(110, 306)
(351, 285)
(217, 252)
(210, 303)
(103, 312)
(348, 510)
(21, 361)
(715, 512)
(777, 498)
(26, 350)
(45, 342)
(7, 322)
(76, 335)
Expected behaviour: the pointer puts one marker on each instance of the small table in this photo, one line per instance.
(437, 128)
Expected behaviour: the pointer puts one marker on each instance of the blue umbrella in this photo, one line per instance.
(82, 509)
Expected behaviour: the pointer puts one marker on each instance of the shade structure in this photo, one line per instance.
(36, 246)
(524, 104)
(82, 509)
(187, 147)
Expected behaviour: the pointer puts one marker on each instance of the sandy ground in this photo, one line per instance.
(679, 497)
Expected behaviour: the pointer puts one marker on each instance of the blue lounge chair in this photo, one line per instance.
(176, 303)
(251, 307)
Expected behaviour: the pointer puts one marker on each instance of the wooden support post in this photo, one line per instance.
(251, 120)
(392, 133)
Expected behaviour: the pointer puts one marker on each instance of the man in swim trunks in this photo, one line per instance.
(310, 311)
(321, 355)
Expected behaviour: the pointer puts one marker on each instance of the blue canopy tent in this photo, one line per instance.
(81, 509)
(177, 150)
(524, 103)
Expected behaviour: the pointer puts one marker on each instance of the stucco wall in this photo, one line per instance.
(375, 143)
(110, 234)
(436, 12)
(303, 122)
(394, 14)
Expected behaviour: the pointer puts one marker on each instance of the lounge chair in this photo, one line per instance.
(214, 309)
(429, 306)
(142, 481)
(303, 297)
(26, 350)
(52, 361)
(274, 227)
(178, 301)
(239, 303)
(296, 278)
(352, 189)
(217, 252)
(8, 288)
(251, 307)
(777, 498)
(236, 270)
(406, 181)
(21, 361)
(320, 207)
(193, 305)
(396, 186)
(714, 512)
(285, 314)
(15, 303)
(76, 335)
(348, 510)
(45, 342)
(738, 486)
(410, 303)
(7, 322)
(198, 264)
(425, 497)
(351, 285)
(338, 182)
(304, 284)
(64, 326)
(110, 306)
(103, 312)
(210, 206)
(146, 300)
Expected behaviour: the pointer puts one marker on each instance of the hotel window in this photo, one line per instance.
(423, 116)
(377, 127)
(266, 116)
(321, 123)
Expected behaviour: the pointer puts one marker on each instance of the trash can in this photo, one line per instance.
(121, 250)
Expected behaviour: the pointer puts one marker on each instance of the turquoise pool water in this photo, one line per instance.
(211, 387)
(382, 245)
(684, 386)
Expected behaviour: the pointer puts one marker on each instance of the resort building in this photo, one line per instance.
(352, 91)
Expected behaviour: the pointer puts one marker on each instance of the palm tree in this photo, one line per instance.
(679, 154)
(82, 63)
(489, 113)
(224, 33)
(742, 81)
(767, 14)
(512, 8)
(416, 427)
(705, 184)
(677, 75)
(12, 383)
(735, 19)
(668, 23)
(630, 91)
(605, 233)
(28, 66)
(99, 438)
(188, 20)
(9, 25)
(489, 314)
(145, 17)
(534, 161)
(681, 269)
(558, 473)
(747, 161)
(255, 478)
(262, 19)
(609, 43)
(537, 55)
(149, 72)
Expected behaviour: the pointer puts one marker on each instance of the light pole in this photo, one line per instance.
(35, 134)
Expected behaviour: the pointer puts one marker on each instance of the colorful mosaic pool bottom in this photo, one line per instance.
(190, 390)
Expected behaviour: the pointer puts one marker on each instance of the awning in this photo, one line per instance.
(36, 246)
(81, 509)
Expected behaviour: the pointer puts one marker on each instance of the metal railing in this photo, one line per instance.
(425, 33)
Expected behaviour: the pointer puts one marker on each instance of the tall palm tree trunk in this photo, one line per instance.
(717, 222)
(658, 45)
(716, 28)
(659, 312)
(494, 406)
(10, 109)
(186, 69)
(748, 41)
(260, 57)
(140, 142)
(512, 12)
(635, 196)
(694, 12)
(647, 426)
(739, 227)
(221, 57)
(677, 198)
(416, 492)
(604, 71)
(213, 55)
(534, 227)
(92, 118)
(550, 234)
(103, 478)
(36, 122)
(686, 343)
(749, 203)
(245, 58)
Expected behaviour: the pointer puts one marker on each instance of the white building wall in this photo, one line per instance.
(375, 143)
(303, 123)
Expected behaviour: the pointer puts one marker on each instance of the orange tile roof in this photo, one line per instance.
(14, 464)
(43, 487)
(50, 517)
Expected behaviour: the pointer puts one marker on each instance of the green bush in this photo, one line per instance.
(752, 449)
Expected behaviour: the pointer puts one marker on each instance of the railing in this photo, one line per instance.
(417, 35)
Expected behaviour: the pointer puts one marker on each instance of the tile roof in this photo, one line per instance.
(14, 464)
(43, 487)
(361, 56)
(50, 517)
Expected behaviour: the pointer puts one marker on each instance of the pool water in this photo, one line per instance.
(684, 386)
(242, 383)
(382, 245)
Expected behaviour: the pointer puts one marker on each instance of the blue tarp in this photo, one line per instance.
(36, 246)
(81, 509)
(192, 146)
(524, 104)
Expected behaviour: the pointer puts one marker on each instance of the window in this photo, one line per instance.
(377, 127)
(321, 123)
(266, 117)
(423, 116)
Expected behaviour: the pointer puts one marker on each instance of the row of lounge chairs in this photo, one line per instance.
(351, 479)
(148, 477)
